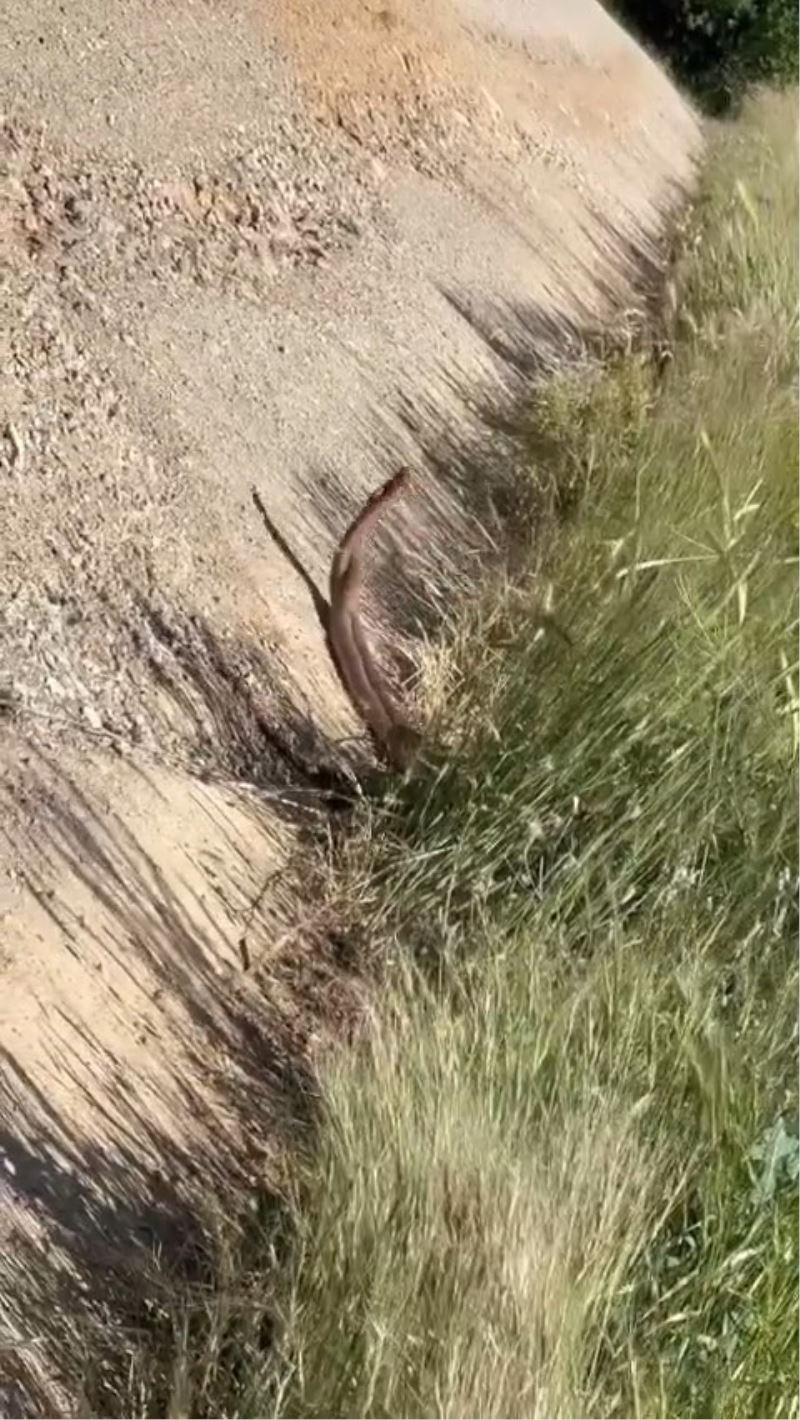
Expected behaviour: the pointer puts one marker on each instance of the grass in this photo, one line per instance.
(558, 1175)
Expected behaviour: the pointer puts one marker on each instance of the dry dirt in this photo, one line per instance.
(281, 247)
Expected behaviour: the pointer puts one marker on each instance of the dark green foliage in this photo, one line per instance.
(718, 47)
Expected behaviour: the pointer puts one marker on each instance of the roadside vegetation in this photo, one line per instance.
(718, 48)
(558, 1174)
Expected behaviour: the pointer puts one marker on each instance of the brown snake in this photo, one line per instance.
(395, 736)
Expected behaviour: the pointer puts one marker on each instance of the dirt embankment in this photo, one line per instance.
(284, 246)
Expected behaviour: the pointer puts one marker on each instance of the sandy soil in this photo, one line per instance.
(280, 247)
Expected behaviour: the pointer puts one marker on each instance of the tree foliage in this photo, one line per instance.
(718, 47)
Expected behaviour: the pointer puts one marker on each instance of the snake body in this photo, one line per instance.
(395, 736)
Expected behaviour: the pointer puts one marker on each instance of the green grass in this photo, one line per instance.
(559, 1178)
(558, 1175)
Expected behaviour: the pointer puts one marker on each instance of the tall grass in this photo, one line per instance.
(558, 1174)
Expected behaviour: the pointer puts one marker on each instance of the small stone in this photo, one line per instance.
(91, 717)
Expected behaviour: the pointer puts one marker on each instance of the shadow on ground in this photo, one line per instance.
(79, 1265)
